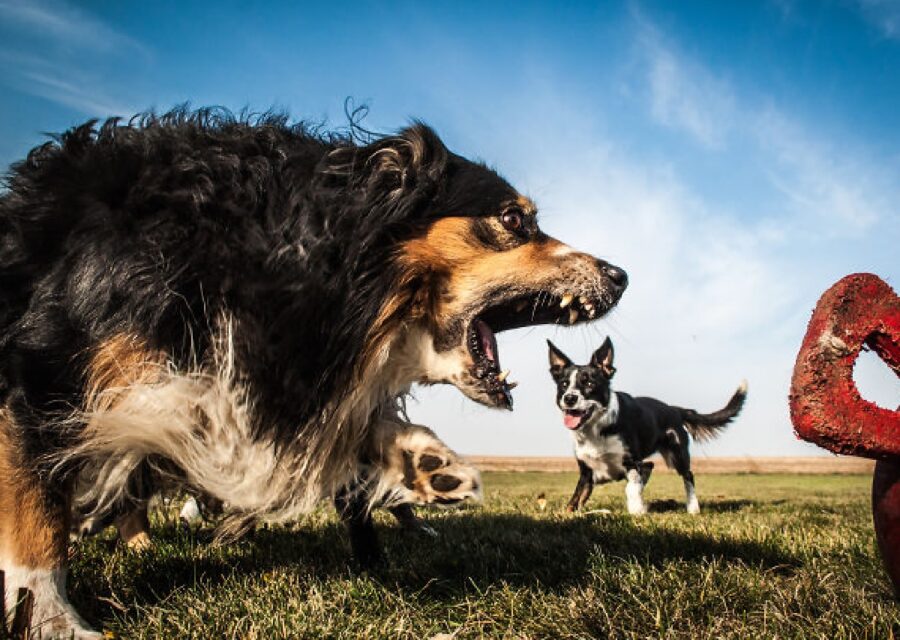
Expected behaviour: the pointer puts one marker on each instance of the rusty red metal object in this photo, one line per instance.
(826, 408)
(886, 517)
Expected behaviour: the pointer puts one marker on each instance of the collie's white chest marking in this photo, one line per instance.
(603, 454)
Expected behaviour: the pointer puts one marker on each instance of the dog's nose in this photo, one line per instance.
(616, 275)
(570, 400)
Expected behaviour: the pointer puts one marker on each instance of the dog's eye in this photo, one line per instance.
(513, 220)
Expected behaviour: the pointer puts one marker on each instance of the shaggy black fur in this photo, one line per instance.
(155, 225)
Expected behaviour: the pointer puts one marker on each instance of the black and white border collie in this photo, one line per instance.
(237, 303)
(614, 432)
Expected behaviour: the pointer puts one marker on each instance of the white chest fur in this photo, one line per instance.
(603, 454)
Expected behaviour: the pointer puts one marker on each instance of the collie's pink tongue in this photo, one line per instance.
(572, 420)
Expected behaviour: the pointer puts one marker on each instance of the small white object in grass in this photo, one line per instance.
(190, 512)
(600, 512)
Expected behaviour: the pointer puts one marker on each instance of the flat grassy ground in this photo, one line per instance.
(771, 556)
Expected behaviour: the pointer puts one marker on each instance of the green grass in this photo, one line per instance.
(771, 556)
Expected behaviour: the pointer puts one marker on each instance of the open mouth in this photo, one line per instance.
(516, 312)
(574, 419)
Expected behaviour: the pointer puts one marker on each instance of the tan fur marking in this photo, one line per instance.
(118, 363)
(527, 206)
(451, 245)
(451, 248)
(33, 531)
(134, 529)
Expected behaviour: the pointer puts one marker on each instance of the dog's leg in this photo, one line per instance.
(353, 506)
(646, 470)
(406, 516)
(583, 489)
(679, 458)
(693, 505)
(634, 493)
(34, 526)
(134, 528)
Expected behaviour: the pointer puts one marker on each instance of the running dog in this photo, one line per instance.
(237, 303)
(615, 432)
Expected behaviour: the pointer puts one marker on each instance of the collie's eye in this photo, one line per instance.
(513, 220)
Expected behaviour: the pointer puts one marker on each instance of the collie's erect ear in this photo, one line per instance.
(558, 360)
(603, 358)
(402, 164)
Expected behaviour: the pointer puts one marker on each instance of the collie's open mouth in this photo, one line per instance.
(522, 311)
(574, 419)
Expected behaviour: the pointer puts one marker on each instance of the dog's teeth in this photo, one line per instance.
(502, 376)
(573, 315)
(520, 307)
(588, 306)
(591, 313)
(566, 300)
(582, 299)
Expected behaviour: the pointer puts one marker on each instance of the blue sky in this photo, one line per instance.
(735, 158)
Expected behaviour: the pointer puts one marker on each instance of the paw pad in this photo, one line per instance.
(433, 474)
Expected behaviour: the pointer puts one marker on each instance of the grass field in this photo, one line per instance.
(783, 556)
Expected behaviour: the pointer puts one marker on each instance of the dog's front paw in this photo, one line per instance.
(435, 475)
(417, 468)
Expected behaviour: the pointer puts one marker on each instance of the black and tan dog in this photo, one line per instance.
(614, 432)
(238, 304)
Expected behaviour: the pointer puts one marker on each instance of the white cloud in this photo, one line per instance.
(833, 187)
(683, 95)
(883, 14)
(64, 23)
(87, 101)
(840, 188)
(56, 51)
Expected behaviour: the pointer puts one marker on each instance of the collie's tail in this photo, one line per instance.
(706, 426)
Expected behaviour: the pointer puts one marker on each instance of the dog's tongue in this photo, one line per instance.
(487, 341)
(572, 420)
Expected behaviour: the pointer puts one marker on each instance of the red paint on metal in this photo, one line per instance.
(886, 516)
(826, 407)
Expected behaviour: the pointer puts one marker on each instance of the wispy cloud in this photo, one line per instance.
(829, 182)
(59, 52)
(883, 14)
(65, 23)
(76, 96)
(839, 188)
(684, 95)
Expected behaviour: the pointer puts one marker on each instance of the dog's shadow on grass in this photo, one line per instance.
(719, 506)
(517, 549)
(473, 549)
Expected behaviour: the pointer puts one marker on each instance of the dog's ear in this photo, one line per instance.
(411, 161)
(558, 360)
(603, 358)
